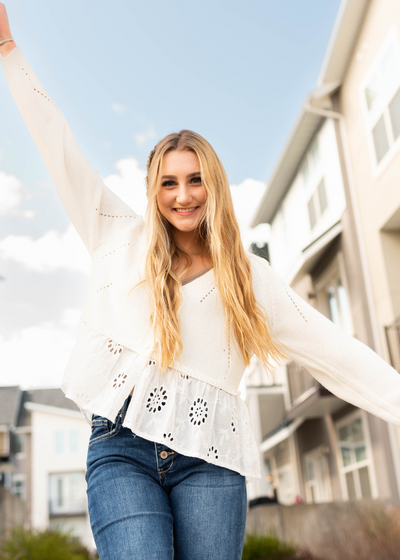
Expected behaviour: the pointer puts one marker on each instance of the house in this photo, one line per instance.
(44, 444)
(333, 204)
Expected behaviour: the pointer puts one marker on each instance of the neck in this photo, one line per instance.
(189, 241)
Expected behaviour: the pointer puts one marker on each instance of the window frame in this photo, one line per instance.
(369, 462)
(394, 144)
(19, 477)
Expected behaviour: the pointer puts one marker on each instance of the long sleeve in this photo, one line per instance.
(345, 366)
(95, 211)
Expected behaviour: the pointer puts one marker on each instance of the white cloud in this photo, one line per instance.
(53, 251)
(11, 196)
(142, 137)
(129, 184)
(37, 355)
(246, 197)
(118, 108)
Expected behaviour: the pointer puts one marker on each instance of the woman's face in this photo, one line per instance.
(182, 195)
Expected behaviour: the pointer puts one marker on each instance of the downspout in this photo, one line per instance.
(357, 221)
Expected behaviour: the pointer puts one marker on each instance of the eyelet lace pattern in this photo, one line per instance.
(190, 416)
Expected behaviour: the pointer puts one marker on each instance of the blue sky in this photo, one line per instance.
(126, 74)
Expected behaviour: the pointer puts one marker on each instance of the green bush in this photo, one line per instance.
(269, 547)
(28, 544)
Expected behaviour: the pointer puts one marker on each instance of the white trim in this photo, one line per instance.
(280, 436)
(58, 411)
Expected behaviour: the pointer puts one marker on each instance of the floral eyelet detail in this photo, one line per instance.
(184, 376)
(198, 412)
(213, 451)
(157, 399)
(119, 380)
(115, 347)
(234, 422)
(168, 437)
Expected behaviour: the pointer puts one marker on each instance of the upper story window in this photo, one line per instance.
(317, 201)
(58, 443)
(332, 298)
(381, 97)
(20, 444)
(73, 441)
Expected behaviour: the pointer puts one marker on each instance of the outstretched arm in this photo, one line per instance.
(345, 366)
(95, 211)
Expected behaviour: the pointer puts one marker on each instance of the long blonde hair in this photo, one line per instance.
(219, 234)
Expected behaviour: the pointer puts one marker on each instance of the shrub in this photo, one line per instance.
(269, 547)
(28, 544)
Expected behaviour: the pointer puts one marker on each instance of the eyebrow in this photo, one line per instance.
(195, 174)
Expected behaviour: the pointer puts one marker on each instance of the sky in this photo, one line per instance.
(126, 74)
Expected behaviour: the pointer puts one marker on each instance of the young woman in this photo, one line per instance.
(175, 311)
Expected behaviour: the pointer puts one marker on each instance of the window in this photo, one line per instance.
(317, 204)
(314, 184)
(67, 493)
(18, 485)
(58, 443)
(332, 298)
(73, 441)
(381, 95)
(356, 463)
(20, 444)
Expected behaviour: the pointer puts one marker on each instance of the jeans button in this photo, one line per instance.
(163, 454)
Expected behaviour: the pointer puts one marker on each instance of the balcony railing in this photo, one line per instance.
(393, 341)
(299, 379)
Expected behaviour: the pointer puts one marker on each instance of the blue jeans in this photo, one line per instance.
(148, 502)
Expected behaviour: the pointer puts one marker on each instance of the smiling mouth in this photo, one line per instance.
(186, 210)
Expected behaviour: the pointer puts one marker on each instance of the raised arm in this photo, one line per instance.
(95, 211)
(345, 366)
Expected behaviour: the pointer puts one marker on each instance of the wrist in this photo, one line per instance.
(7, 48)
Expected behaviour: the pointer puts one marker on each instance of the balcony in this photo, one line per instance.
(393, 341)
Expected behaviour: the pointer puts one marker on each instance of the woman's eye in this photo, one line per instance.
(196, 180)
(168, 184)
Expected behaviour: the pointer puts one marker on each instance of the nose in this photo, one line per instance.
(183, 196)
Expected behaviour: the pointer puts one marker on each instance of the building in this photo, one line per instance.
(333, 203)
(44, 443)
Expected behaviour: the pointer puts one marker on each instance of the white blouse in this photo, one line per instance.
(190, 416)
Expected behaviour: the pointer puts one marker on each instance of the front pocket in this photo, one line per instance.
(102, 428)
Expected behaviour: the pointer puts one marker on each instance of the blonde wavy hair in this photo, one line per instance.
(219, 236)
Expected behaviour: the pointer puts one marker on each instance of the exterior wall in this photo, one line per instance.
(324, 529)
(46, 461)
(377, 187)
(12, 510)
(290, 228)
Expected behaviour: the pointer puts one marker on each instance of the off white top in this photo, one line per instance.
(195, 407)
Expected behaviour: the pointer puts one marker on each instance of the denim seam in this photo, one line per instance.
(166, 470)
(106, 436)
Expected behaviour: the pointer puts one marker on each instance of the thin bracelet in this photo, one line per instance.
(5, 41)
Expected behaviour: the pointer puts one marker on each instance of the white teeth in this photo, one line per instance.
(182, 210)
